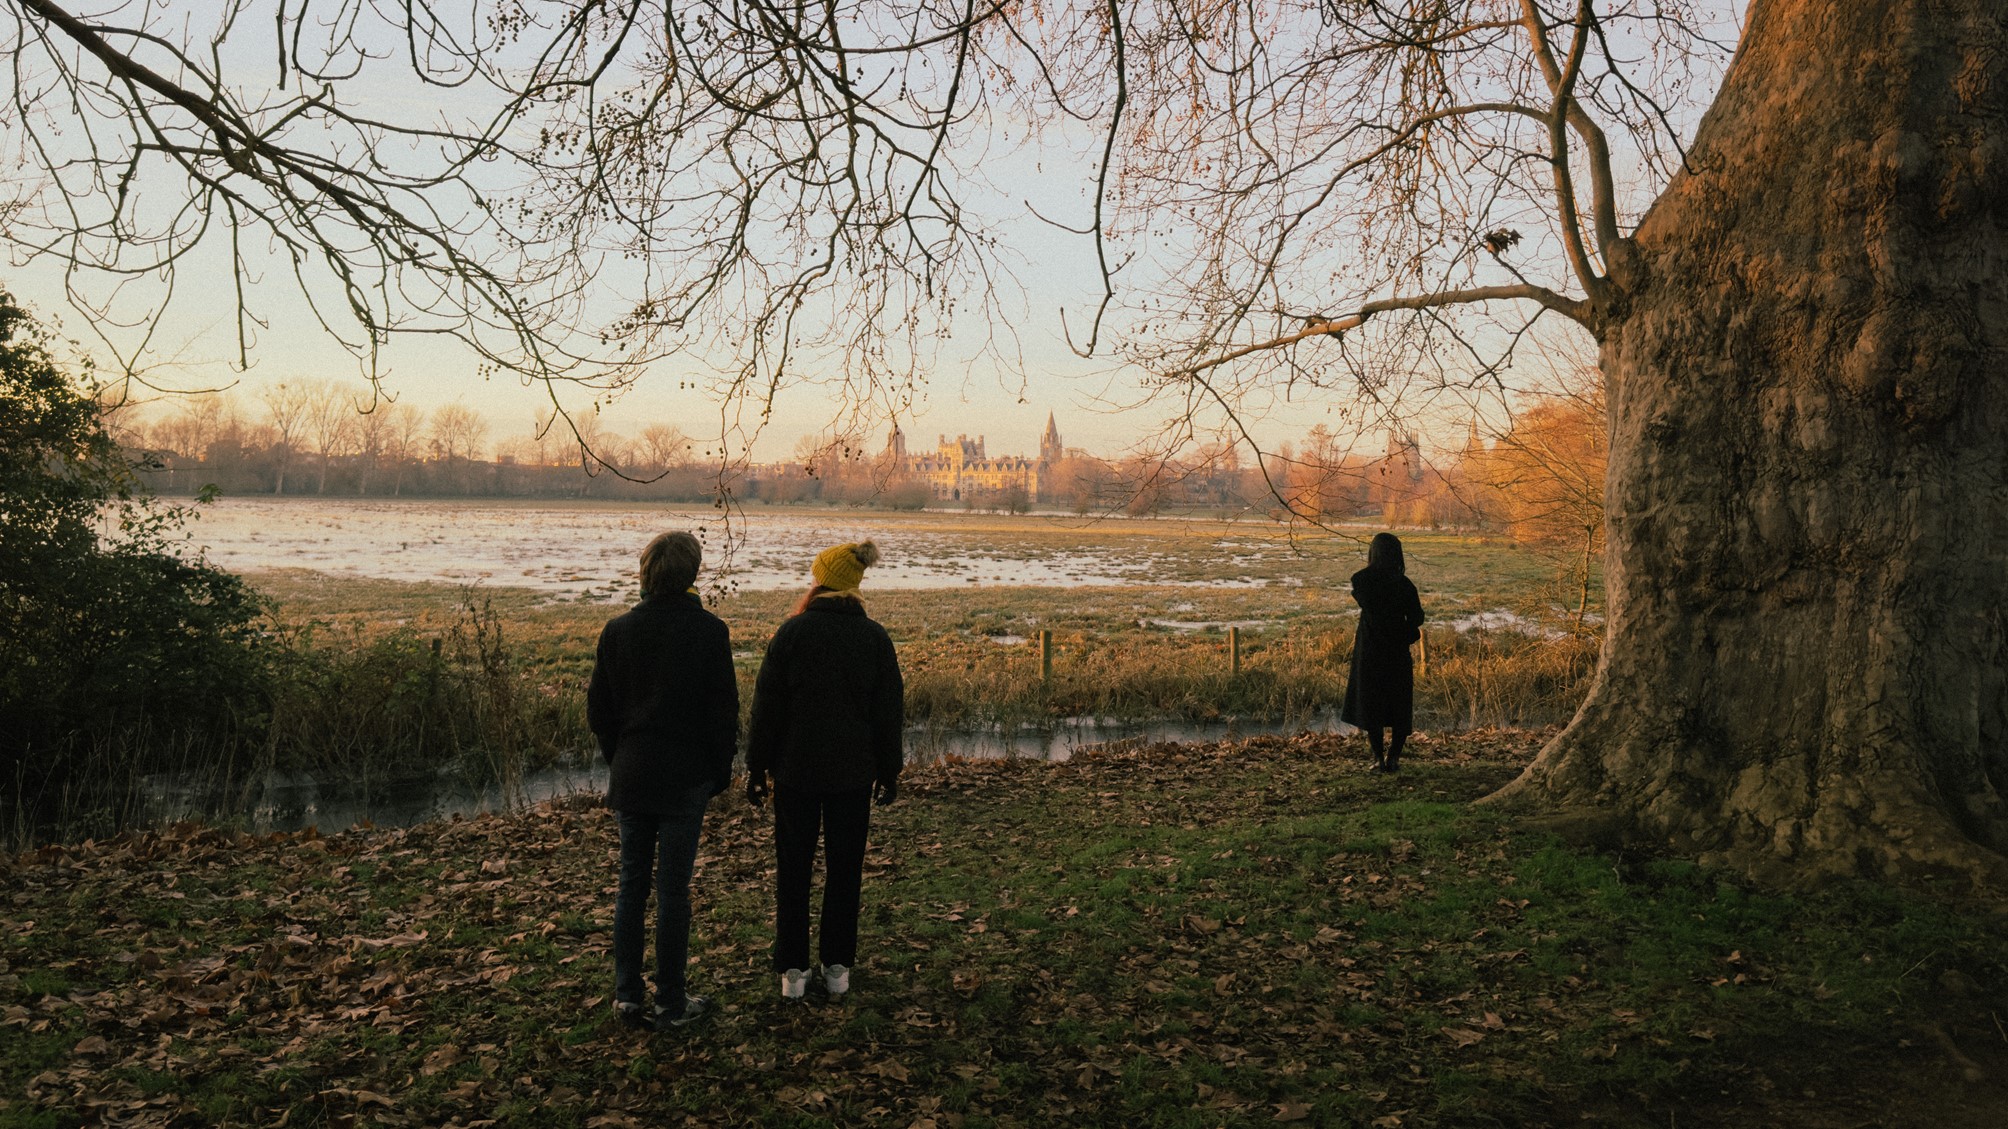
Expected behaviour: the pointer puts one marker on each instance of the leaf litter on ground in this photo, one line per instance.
(1239, 932)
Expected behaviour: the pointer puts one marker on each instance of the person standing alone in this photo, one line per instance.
(1380, 691)
(663, 704)
(828, 709)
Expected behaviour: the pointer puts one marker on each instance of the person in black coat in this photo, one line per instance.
(828, 710)
(663, 704)
(1380, 691)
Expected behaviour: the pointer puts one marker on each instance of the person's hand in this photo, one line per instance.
(885, 792)
(756, 788)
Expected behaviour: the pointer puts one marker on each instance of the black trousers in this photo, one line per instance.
(840, 820)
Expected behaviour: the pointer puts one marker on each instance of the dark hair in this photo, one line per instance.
(669, 564)
(1384, 551)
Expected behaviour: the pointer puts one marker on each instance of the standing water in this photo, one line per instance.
(294, 802)
(588, 548)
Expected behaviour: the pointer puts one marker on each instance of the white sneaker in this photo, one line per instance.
(794, 983)
(837, 978)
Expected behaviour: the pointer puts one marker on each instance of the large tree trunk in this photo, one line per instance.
(1808, 491)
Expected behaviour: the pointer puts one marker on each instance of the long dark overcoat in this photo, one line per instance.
(1380, 691)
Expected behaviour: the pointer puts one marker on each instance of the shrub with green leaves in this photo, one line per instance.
(106, 632)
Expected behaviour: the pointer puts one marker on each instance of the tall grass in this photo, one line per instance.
(1480, 679)
(376, 707)
(368, 711)
(401, 704)
(1473, 679)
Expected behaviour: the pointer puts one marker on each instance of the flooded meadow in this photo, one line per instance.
(1138, 614)
(587, 550)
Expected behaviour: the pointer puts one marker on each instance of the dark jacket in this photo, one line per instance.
(1380, 691)
(664, 702)
(829, 706)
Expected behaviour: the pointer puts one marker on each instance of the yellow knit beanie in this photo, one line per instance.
(842, 567)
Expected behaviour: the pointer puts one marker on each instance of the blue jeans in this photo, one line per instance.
(665, 844)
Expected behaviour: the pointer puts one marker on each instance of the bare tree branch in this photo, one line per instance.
(1326, 327)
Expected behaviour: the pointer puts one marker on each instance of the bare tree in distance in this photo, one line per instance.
(286, 407)
(664, 447)
(331, 424)
(373, 427)
(457, 431)
(404, 439)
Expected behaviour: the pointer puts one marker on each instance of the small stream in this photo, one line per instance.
(294, 802)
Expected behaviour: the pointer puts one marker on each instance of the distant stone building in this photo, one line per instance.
(959, 468)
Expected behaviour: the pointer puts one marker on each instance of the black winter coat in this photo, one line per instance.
(1380, 691)
(829, 705)
(664, 702)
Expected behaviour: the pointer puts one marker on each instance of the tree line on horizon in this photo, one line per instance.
(1538, 478)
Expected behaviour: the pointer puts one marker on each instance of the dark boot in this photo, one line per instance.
(1375, 745)
(1392, 762)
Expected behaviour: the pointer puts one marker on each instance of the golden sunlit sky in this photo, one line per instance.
(998, 375)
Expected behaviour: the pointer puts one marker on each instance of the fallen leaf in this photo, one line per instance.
(91, 1045)
(399, 941)
(889, 1069)
(1293, 1111)
(442, 1059)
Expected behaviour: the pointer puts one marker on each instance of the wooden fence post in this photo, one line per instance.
(1234, 650)
(1424, 640)
(1045, 655)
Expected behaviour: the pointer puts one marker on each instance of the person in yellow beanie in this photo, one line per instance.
(828, 715)
(841, 568)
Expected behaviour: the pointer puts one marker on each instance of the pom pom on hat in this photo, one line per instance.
(842, 567)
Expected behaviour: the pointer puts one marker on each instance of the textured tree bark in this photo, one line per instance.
(1806, 352)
